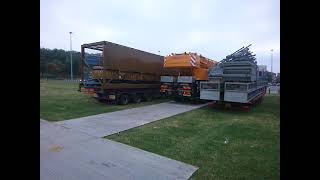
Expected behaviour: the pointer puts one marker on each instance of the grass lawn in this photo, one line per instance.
(61, 101)
(198, 138)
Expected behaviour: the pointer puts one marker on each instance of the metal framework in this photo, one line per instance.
(95, 46)
(99, 46)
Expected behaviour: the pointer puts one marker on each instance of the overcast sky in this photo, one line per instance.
(212, 28)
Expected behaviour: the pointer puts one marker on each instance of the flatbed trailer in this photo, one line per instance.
(232, 93)
(235, 81)
(236, 106)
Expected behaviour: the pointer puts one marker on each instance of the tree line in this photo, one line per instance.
(55, 63)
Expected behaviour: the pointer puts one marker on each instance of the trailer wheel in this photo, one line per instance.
(124, 99)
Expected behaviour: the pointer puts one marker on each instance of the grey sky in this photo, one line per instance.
(213, 28)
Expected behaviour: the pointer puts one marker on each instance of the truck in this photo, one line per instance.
(235, 80)
(192, 68)
(120, 74)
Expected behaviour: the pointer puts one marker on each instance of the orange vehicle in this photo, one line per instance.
(193, 68)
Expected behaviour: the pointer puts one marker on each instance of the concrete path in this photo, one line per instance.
(110, 123)
(74, 149)
(66, 154)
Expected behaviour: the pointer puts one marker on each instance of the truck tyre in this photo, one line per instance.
(124, 99)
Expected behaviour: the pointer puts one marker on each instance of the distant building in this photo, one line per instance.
(271, 76)
(262, 73)
(262, 68)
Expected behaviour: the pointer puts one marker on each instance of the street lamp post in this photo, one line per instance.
(71, 72)
(271, 60)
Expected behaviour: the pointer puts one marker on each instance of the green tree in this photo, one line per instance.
(58, 61)
(52, 68)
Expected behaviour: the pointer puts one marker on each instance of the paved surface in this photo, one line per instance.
(110, 123)
(72, 150)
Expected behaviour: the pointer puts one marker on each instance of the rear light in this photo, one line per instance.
(186, 93)
(164, 88)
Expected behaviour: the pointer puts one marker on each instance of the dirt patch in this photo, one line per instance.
(56, 148)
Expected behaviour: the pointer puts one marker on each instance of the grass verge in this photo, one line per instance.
(223, 144)
(60, 100)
